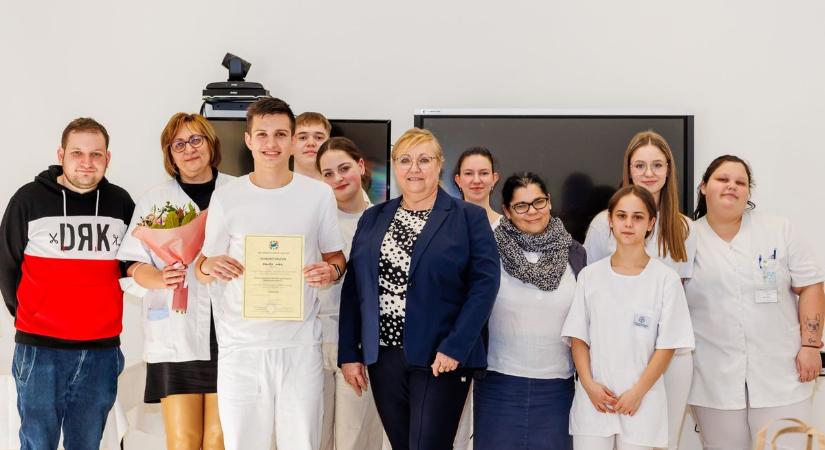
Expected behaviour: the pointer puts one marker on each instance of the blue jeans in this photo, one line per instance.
(72, 389)
(522, 413)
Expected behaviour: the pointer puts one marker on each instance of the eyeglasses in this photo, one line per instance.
(424, 161)
(640, 167)
(179, 145)
(537, 204)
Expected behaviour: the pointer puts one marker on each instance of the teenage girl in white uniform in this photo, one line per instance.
(757, 303)
(350, 420)
(628, 317)
(649, 163)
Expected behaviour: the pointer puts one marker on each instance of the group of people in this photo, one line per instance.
(428, 319)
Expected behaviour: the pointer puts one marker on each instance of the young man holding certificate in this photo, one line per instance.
(271, 240)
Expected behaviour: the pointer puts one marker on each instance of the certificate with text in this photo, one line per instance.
(273, 285)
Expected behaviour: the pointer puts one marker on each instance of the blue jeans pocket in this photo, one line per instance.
(24, 357)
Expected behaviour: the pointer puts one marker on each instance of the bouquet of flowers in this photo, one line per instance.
(176, 235)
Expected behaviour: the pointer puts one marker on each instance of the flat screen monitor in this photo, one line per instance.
(371, 136)
(579, 155)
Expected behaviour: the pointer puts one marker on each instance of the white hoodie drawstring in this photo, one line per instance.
(66, 217)
(65, 221)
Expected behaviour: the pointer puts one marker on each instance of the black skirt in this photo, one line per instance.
(188, 377)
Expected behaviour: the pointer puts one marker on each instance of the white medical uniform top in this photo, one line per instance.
(330, 297)
(600, 243)
(745, 315)
(525, 326)
(624, 319)
(169, 336)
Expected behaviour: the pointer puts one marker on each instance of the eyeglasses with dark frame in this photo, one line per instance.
(537, 204)
(179, 145)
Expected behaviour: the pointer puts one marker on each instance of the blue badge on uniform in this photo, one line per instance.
(641, 320)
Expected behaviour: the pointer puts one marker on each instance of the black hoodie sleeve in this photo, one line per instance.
(14, 232)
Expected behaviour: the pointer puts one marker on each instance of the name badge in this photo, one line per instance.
(766, 295)
(158, 309)
(641, 320)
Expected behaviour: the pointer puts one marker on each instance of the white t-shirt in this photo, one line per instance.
(330, 297)
(747, 326)
(302, 207)
(168, 336)
(624, 319)
(600, 243)
(525, 327)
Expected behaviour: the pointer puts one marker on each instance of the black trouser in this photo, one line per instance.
(418, 411)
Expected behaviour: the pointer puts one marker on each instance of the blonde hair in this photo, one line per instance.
(414, 137)
(673, 226)
(197, 124)
(313, 118)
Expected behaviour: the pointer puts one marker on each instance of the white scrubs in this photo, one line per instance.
(169, 336)
(746, 316)
(350, 422)
(599, 244)
(624, 319)
(270, 372)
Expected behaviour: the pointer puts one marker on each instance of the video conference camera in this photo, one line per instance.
(232, 97)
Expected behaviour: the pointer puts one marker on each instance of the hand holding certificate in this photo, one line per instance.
(273, 277)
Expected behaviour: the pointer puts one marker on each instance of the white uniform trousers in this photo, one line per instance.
(464, 434)
(736, 429)
(266, 392)
(350, 422)
(677, 379)
(603, 443)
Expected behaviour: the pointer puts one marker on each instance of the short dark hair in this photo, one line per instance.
(266, 106)
(520, 180)
(84, 124)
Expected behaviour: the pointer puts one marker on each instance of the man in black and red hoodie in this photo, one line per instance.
(60, 280)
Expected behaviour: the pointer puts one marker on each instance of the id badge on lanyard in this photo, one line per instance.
(766, 291)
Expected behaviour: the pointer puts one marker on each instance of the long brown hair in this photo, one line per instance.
(673, 226)
(345, 145)
(639, 192)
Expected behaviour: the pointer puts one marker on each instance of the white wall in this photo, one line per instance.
(751, 72)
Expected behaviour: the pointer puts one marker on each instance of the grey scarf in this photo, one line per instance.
(553, 244)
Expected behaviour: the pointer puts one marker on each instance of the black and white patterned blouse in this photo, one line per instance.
(393, 272)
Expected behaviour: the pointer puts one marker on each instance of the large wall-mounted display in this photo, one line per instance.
(371, 136)
(578, 154)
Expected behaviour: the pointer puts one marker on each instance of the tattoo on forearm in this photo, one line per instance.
(812, 325)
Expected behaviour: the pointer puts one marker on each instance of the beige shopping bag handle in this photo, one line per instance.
(800, 427)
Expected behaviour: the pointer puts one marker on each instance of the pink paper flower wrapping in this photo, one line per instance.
(181, 244)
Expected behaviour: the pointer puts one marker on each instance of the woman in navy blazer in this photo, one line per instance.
(420, 285)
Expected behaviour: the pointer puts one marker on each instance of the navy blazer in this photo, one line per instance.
(453, 282)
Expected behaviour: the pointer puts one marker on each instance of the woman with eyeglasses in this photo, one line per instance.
(421, 281)
(523, 401)
(648, 163)
(757, 306)
(180, 350)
